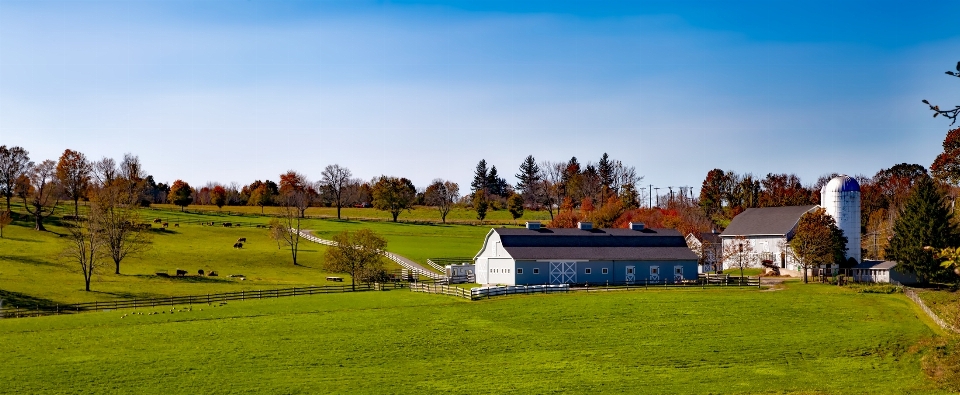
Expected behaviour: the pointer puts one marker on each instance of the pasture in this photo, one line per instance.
(803, 339)
(33, 272)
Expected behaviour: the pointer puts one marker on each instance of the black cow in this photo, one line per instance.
(181, 273)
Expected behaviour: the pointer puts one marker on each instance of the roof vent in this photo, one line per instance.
(585, 225)
(533, 225)
(636, 226)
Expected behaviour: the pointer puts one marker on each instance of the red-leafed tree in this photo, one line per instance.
(180, 194)
(296, 191)
(947, 165)
(73, 171)
(43, 194)
(218, 196)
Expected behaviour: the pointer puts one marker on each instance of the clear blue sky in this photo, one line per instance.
(242, 90)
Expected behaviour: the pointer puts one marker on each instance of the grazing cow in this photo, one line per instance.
(176, 225)
(237, 245)
(181, 273)
(242, 240)
(227, 224)
(165, 224)
(200, 272)
(157, 220)
(212, 274)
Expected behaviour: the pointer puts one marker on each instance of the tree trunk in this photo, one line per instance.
(118, 267)
(8, 203)
(395, 215)
(76, 207)
(338, 210)
(39, 219)
(353, 280)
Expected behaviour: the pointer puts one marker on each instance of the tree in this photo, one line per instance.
(116, 217)
(218, 196)
(132, 176)
(949, 114)
(394, 195)
(529, 178)
(286, 229)
(43, 194)
(73, 172)
(481, 204)
(443, 195)
(85, 247)
(261, 194)
(14, 162)
(925, 221)
(712, 192)
(605, 169)
(480, 177)
(180, 194)
(818, 241)
(335, 180)
(739, 252)
(496, 185)
(358, 254)
(947, 165)
(5, 219)
(515, 206)
(566, 216)
(296, 191)
(105, 171)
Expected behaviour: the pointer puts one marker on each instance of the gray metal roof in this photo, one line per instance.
(887, 265)
(595, 244)
(766, 221)
(603, 253)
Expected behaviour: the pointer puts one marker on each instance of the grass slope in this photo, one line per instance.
(32, 271)
(804, 339)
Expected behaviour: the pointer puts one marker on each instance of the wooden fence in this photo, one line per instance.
(36, 311)
(486, 292)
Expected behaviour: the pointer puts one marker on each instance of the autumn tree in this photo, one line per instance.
(480, 204)
(296, 191)
(925, 221)
(261, 193)
(44, 192)
(818, 241)
(515, 206)
(738, 253)
(442, 194)
(85, 247)
(554, 192)
(359, 254)
(566, 216)
(115, 215)
(394, 195)
(286, 229)
(335, 180)
(73, 172)
(14, 163)
(946, 167)
(218, 196)
(949, 113)
(712, 192)
(180, 194)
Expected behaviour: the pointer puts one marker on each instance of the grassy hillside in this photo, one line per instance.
(33, 272)
(804, 339)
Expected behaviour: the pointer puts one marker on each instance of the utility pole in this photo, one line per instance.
(650, 196)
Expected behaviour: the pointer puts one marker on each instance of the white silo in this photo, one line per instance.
(841, 199)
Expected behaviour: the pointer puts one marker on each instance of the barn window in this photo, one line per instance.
(586, 271)
(654, 270)
(519, 270)
(630, 270)
(604, 271)
(536, 270)
(678, 270)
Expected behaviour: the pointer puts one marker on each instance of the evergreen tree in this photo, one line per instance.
(479, 177)
(529, 177)
(480, 204)
(925, 221)
(495, 184)
(605, 172)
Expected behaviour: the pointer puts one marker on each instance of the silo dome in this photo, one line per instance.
(841, 199)
(842, 183)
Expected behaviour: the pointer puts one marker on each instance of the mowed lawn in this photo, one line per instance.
(804, 339)
(33, 271)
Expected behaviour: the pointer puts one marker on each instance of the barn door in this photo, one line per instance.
(631, 274)
(677, 274)
(563, 272)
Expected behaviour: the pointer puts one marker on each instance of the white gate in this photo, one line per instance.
(563, 272)
(631, 274)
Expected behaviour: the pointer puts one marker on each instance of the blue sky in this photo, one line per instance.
(243, 90)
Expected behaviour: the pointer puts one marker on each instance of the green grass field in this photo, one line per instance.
(33, 272)
(804, 339)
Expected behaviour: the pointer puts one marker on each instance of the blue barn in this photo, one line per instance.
(535, 255)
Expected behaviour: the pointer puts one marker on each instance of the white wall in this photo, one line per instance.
(764, 247)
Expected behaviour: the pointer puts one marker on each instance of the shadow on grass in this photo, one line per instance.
(21, 240)
(11, 299)
(27, 260)
(130, 295)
